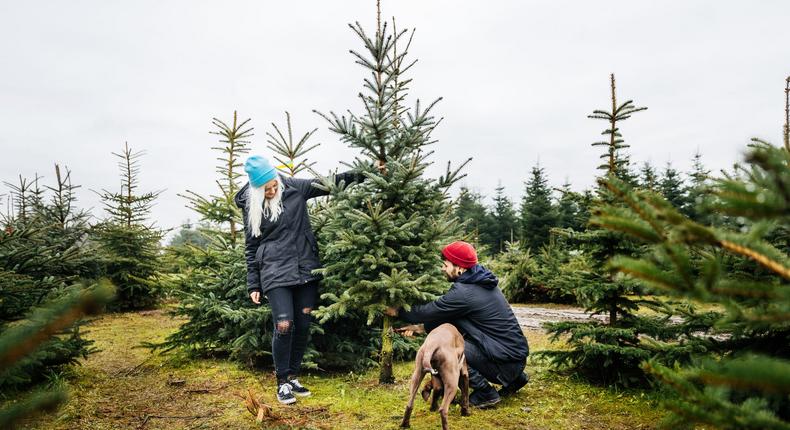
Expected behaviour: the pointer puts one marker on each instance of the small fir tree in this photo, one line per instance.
(33, 339)
(131, 248)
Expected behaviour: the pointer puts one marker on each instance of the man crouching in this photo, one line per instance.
(495, 347)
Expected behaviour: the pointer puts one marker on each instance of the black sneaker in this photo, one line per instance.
(484, 397)
(285, 394)
(514, 386)
(298, 388)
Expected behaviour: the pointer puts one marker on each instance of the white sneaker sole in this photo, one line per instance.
(307, 394)
(288, 401)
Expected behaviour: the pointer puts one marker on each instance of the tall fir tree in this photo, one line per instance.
(470, 210)
(382, 237)
(219, 209)
(610, 352)
(648, 177)
(698, 191)
(672, 187)
(573, 208)
(615, 161)
(538, 214)
(131, 248)
(742, 381)
(503, 226)
(289, 153)
(221, 318)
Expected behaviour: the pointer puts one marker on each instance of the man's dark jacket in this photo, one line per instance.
(286, 252)
(476, 306)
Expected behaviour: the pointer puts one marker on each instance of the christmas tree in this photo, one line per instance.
(673, 189)
(45, 249)
(742, 380)
(469, 208)
(538, 214)
(610, 352)
(131, 248)
(648, 178)
(503, 225)
(381, 237)
(45, 257)
(35, 338)
(221, 318)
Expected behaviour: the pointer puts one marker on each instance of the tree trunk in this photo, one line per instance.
(613, 312)
(385, 371)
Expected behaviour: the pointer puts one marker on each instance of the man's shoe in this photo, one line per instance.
(484, 397)
(514, 386)
(298, 389)
(285, 394)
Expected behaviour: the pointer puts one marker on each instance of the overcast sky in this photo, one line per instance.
(518, 78)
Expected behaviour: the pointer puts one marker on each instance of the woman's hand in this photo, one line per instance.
(256, 297)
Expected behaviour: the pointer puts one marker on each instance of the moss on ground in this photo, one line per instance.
(126, 387)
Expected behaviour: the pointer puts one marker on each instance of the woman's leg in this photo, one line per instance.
(281, 301)
(304, 299)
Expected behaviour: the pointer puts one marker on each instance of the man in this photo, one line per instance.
(495, 347)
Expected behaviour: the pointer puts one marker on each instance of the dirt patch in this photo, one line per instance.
(533, 317)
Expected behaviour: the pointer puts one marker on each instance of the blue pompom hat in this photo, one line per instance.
(259, 170)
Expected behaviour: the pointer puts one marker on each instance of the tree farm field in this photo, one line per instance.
(124, 386)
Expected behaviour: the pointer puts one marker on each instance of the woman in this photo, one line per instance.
(281, 253)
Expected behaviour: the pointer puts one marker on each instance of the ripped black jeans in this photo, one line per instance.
(291, 326)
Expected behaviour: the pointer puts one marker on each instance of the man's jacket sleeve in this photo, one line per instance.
(446, 308)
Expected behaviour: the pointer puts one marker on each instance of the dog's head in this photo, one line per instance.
(426, 389)
(435, 383)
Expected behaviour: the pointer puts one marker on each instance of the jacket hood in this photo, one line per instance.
(241, 196)
(479, 275)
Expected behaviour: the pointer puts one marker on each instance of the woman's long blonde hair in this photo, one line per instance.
(259, 206)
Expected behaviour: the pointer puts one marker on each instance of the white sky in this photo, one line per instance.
(78, 78)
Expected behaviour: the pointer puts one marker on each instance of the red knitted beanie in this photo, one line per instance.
(461, 254)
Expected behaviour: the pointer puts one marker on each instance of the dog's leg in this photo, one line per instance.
(416, 377)
(450, 387)
(437, 392)
(464, 390)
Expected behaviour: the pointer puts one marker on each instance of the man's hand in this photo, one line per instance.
(256, 297)
(382, 167)
(411, 330)
(391, 311)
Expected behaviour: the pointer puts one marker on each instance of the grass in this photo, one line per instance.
(124, 386)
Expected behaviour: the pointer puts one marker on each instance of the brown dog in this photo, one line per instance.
(441, 355)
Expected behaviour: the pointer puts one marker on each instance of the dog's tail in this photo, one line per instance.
(426, 362)
(436, 382)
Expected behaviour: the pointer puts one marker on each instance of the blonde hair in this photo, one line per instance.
(258, 206)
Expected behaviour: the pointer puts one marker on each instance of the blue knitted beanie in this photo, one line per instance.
(259, 170)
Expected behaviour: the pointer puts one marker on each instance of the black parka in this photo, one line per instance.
(286, 252)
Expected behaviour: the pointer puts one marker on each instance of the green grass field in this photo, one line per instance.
(124, 386)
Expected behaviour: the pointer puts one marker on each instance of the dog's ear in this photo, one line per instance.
(426, 390)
